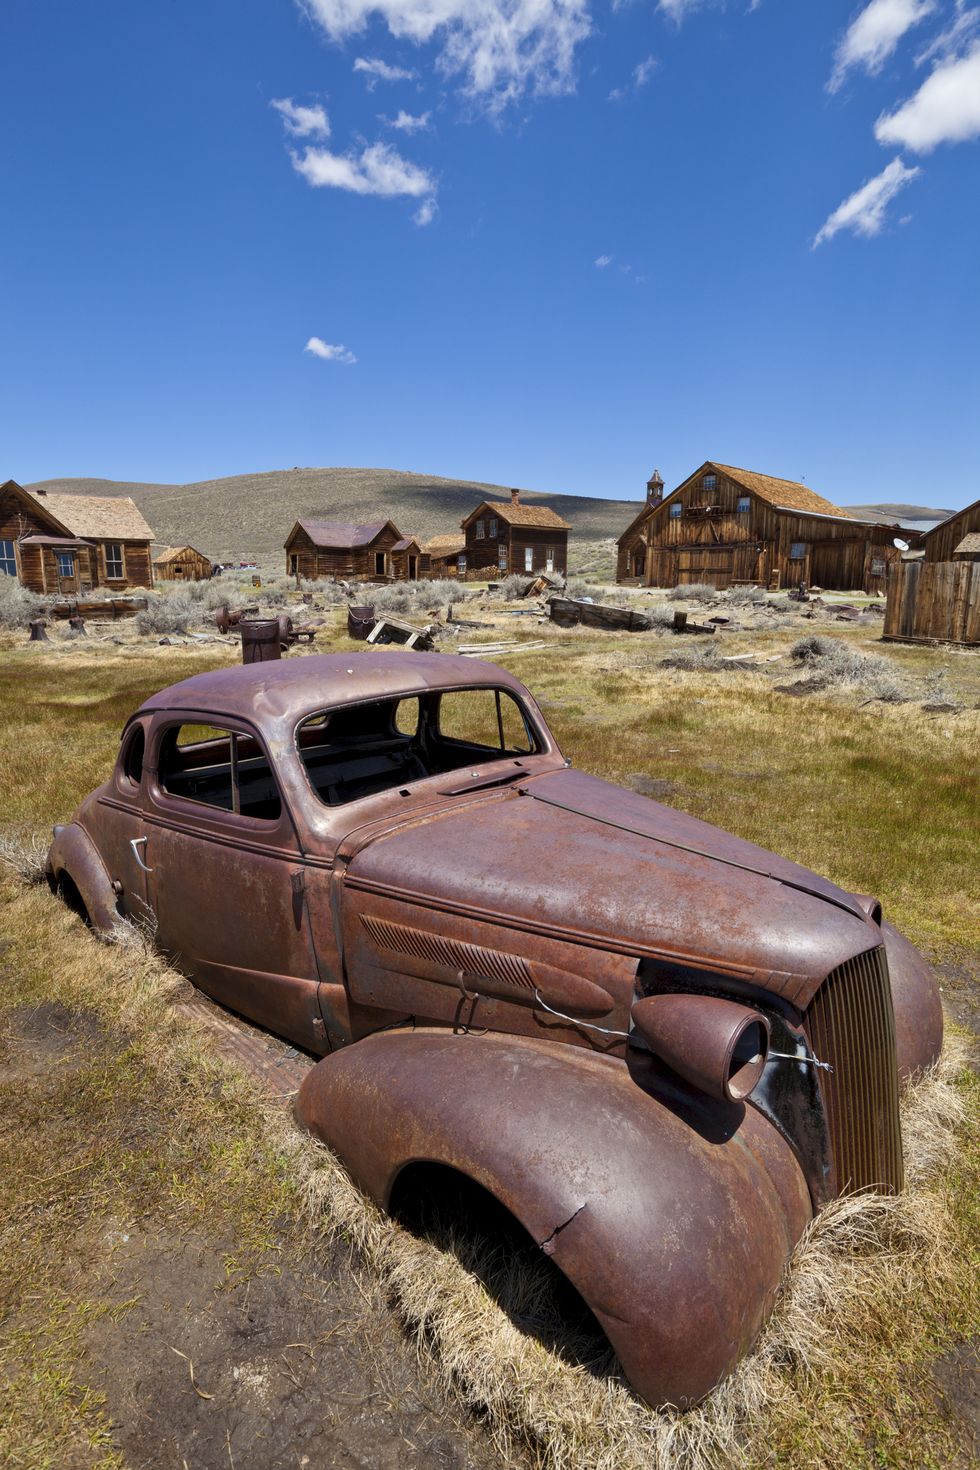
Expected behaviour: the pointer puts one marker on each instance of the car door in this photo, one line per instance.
(226, 879)
(117, 829)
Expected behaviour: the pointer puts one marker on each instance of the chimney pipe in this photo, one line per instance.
(515, 497)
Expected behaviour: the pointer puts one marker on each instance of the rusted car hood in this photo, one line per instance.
(571, 855)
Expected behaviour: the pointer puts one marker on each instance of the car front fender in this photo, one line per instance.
(672, 1218)
(917, 1003)
(74, 854)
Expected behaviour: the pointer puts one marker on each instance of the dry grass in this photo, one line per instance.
(877, 1288)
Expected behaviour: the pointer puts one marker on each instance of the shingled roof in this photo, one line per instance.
(783, 494)
(519, 515)
(95, 517)
(345, 534)
(450, 545)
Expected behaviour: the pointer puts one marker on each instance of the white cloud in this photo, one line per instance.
(302, 122)
(864, 211)
(945, 109)
(955, 36)
(406, 122)
(377, 169)
(426, 212)
(676, 10)
(874, 34)
(328, 351)
(377, 70)
(603, 261)
(500, 48)
(639, 78)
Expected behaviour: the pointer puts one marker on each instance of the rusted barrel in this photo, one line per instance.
(260, 640)
(360, 621)
(37, 634)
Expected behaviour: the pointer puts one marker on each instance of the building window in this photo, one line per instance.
(797, 551)
(502, 557)
(380, 564)
(114, 560)
(492, 533)
(8, 561)
(549, 559)
(293, 564)
(743, 504)
(481, 527)
(66, 563)
(529, 558)
(461, 565)
(709, 483)
(878, 566)
(676, 511)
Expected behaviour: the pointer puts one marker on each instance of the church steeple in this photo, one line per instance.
(655, 488)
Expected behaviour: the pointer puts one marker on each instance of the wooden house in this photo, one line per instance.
(441, 556)
(945, 542)
(406, 557)
(937, 598)
(353, 552)
(69, 544)
(724, 526)
(503, 537)
(181, 564)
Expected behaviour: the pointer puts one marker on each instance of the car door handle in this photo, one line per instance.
(135, 843)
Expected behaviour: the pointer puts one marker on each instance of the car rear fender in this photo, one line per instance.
(73, 853)
(673, 1218)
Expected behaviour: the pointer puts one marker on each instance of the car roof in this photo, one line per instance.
(288, 689)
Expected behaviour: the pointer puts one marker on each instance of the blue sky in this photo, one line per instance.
(549, 243)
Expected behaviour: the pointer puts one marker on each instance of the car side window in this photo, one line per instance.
(219, 768)
(131, 762)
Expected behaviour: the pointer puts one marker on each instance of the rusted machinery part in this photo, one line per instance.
(227, 618)
(672, 1215)
(77, 624)
(918, 1008)
(37, 633)
(717, 1045)
(73, 853)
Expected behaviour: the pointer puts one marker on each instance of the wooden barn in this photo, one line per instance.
(955, 538)
(441, 556)
(69, 544)
(503, 537)
(181, 564)
(724, 526)
(937, 598)
(348, 550)
(406, 558)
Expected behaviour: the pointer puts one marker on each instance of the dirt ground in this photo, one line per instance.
(290, 1365)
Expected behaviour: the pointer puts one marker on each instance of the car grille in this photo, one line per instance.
(850, 1023)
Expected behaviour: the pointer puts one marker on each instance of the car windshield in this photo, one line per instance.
(362, 749)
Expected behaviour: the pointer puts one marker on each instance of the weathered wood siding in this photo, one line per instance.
(189, 566)
(488, 557)
(942, 540)
(341, 563)
(713, 541)
(37, 566)
(405, 565)
(934, 600)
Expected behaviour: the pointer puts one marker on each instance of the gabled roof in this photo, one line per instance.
(446, 545)
(343, 534)
(954, 517)
(783, 494)
(174, 553)
(405, 543)
(519, 515)
(969, 546)
(95, 517)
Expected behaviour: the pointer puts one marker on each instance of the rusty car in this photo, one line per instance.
(662, 1049)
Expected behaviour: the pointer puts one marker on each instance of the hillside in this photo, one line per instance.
(252, 514)
(916, 517)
